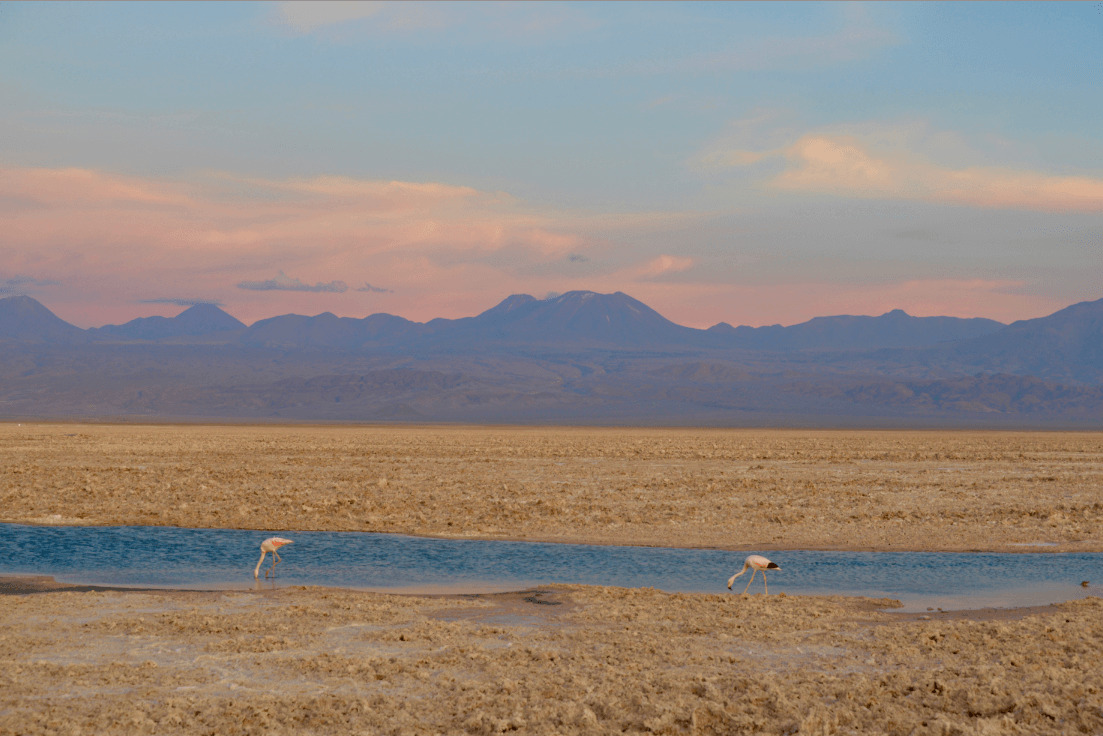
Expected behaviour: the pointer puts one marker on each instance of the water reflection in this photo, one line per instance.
(170, 557)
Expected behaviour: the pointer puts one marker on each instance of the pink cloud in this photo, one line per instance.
(660, 265)
(100, 243)
(53, 187)
(113, 240)
(844, 166)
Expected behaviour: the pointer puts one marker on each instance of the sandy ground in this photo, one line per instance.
(732, 489)
(561, 659)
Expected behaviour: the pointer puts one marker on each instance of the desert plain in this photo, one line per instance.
(561, 658)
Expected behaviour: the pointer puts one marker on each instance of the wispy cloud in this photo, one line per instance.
(853, 35)
(858, 37)
(377, 289)
(385, 195)
(286, 283)
(441, 249)
(29, 281)
(342, 21)
(87, 187)
(662, 265)
(180, 302)
(19, 285)
(894, 162)
(436, 244)
(306, 17)
(843, 166)
(762, 134)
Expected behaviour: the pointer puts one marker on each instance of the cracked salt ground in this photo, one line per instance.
(605, 660)
(757, 490)
(608, 660)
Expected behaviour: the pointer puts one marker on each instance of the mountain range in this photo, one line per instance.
(580, 357)
(580, 318)
(200, 319)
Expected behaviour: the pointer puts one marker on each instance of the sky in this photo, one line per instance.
(747, 163)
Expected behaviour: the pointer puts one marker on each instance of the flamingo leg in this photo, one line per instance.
(751, 581)
(275, 559)
(764, 582)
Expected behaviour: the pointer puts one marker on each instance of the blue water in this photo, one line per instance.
(171, 557)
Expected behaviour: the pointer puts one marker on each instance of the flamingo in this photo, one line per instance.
(271, 545)
(756, 563)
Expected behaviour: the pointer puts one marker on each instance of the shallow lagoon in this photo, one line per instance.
(170, 557)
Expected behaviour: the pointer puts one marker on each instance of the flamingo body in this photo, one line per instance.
(755, 563)
(270, 545)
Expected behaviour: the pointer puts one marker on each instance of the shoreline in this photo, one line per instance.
(1071, 547)
(19, 584)
(35, 584)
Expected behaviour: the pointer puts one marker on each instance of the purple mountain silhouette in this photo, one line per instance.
(1066, 345)
(330, 331)
(895, 329)
(200, 319)
(577, 317)
(23, 319)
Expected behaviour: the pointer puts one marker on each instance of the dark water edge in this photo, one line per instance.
(224, 559)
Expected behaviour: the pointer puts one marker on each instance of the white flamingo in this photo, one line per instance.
(270, 545)
(755, 563)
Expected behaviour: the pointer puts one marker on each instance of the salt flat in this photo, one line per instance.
(733, 489)
(562, 659)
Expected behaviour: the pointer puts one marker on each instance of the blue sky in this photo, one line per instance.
(751, 163)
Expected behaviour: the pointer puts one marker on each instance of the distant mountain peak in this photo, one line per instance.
(584, 317)
(510, 303)
(25, 319)
(579, 296)
(207, 318)
(204, 308)
(201, 307)
(198, 319)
